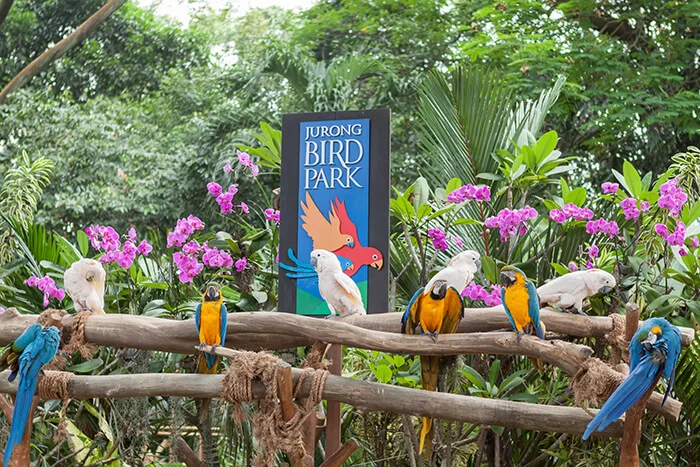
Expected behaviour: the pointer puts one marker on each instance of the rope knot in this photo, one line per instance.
(269, 427)
(77, 342)
(54, 385)
(595, 381)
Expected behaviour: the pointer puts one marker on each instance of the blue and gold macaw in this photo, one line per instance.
(519, 297)
(33, 357)
(211, 319)
(435, 313)
(9, 356)
(654, 350)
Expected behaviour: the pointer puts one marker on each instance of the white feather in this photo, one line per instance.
(336, 288)
(84, 283)
(458, 273)
(570, 290)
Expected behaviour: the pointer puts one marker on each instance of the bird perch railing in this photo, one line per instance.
(371, 396)
(251, 331)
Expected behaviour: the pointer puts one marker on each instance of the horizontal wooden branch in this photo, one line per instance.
(372, 396)
(250, 331)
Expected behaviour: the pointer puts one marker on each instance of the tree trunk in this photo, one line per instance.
(5, 6)
(63, 46)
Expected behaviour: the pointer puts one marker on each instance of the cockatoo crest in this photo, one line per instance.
(84, 282)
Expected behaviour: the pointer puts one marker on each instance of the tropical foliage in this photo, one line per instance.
(173, 132)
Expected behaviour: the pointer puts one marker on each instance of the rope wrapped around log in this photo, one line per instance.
(77, 342)
(269, 428)
(619, 346)
(54, 385)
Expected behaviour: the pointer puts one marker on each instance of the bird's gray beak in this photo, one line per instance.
(649, 341)
(507, 279)
(606, 289)
(314, 261)
(212, 294)
(478, 264)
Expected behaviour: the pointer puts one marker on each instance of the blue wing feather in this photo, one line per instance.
(406, 318)
(625, 396)
(224, 323)
(533, 306)
(197, 314)
(505, 307)
(27, 337)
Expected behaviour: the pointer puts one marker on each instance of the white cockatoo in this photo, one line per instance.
(84, 282)
(336, 288)
(459, 272)
(571, 289)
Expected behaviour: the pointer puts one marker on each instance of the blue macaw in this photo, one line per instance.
(9, 357)
(211, 319)
(438, 312)
(35, 355)
(654, 350)
(306, 271)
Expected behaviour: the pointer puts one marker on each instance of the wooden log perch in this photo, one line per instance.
(372, 396)
(249, 330)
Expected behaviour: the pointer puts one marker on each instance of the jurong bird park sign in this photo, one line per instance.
(335, 196)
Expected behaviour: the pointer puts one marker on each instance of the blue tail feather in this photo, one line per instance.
(211, 360)
(625, 396)
(23, 404)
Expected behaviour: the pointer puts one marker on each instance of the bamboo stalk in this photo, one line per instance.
(372, 396)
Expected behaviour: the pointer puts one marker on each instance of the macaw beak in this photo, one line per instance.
(351, 267)
(606, 289)
(314, 261)
(212, 294)
(649, 341)
(378, 264)
(507, 279)
(351, 244)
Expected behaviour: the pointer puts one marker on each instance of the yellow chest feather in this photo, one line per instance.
(210, 323)
(517, 300)
(432, 313)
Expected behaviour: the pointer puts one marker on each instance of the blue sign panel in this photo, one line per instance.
(333, 173)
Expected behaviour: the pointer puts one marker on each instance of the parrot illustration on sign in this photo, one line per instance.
(327, 234)
(654, 351)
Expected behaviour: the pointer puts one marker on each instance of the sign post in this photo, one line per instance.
(335, 196)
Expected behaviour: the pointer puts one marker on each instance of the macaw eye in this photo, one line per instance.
(374, 256)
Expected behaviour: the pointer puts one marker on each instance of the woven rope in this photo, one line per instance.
(77, 338)
(595, 381)
(269, 428)
(619, 350)
(54, 385)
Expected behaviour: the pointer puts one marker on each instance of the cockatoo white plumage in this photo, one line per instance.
(459, 272)
(84, 282)
(336, 288)
(571, 289)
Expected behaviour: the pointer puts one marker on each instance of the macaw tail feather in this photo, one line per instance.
(537, 362)
(20, 415)
(430, 366)
(625, 396)
(426, 436)
(208, 364)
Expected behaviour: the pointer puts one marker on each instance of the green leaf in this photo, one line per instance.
(383, 374)
(466, 221)
(86, 367)
(493, 371)
(421, 193)
(473, 376)
(452, 185)
(576, 196)
(632, 179)
(488, 266)
(83, 243)
(498, 429)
